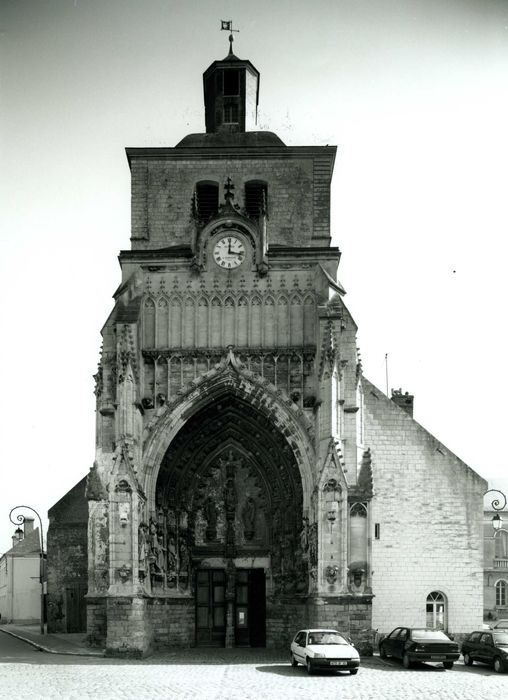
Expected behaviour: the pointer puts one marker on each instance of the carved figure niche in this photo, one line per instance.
(358, 546)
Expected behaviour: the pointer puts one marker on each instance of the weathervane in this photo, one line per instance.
(227, 25)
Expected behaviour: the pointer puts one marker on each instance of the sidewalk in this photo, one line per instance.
(75, 644)
(71, 643)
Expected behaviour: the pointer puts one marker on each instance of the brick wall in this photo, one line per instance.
(428, 504)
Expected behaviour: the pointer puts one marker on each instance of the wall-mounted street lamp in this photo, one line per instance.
(497, 504)
(20, 519)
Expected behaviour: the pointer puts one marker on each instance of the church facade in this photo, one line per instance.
(248, 479)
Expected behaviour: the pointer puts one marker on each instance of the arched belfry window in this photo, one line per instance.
(436, 610)
(501, 593)
(256, 197)
(207, 199)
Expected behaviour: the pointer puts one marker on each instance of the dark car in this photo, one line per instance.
(487, 647)
(419, 644)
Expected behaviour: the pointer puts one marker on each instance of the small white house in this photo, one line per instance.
(20, 588)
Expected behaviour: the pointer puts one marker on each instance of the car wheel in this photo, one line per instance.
(294, 662)
(353, 671)
(448, 664)
(498, 665)
(406, 662)
(382, 652)
(309, 667)
(468, 660)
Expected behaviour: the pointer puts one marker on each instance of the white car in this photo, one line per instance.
(325, 650)
(499, 624)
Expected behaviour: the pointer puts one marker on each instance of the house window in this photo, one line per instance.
(231, 113)
(436, 610)
(256, 198)
(501, 593)
(501, 542)
(207, 199)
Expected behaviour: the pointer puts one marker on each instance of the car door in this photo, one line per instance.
(388, 642)
(399, 642)
(473, 645)
(299, 646)
(486, 648)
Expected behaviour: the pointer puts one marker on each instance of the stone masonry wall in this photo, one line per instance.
(96, 622)
(67, 558)
(172, 621)
(428, 505)
(162, 192)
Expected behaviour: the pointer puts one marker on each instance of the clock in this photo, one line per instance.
(229, 252)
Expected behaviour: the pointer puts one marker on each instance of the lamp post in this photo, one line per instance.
(19, 520)
(497, 504)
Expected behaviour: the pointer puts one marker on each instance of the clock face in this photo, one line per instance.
(229, 252)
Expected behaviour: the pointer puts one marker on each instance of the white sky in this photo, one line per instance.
(413, 93)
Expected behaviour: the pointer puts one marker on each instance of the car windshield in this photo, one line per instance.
(326, 638)
(430, 635)
(501, 638)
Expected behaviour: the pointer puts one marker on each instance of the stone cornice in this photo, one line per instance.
(275, 253)
(231, 152)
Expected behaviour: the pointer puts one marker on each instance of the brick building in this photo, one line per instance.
(248, 479)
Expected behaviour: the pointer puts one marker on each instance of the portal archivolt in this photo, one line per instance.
(229, 488)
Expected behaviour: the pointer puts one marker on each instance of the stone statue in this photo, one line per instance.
(143, 549)
(249, 518)
(210, 514)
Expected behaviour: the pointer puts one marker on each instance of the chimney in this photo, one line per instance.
(404, 401)
(28, 526)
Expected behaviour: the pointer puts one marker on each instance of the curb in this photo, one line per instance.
(41, 647)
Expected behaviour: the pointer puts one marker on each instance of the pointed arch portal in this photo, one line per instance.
(229, 506)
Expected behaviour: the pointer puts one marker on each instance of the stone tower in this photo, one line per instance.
(229, 499)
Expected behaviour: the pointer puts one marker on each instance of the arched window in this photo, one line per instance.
(207, 199)
(501, 593)
(256, 197)
(436, 610)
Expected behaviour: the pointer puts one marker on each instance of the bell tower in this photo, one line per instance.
(226, 395)
(231, 91)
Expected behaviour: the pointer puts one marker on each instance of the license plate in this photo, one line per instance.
(338, 663)
(437, 658)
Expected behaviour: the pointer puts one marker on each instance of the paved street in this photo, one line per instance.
(26, 673)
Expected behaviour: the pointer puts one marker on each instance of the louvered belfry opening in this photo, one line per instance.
(256, 193)
(207, 200)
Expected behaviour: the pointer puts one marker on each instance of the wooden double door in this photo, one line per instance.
(248, 616)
